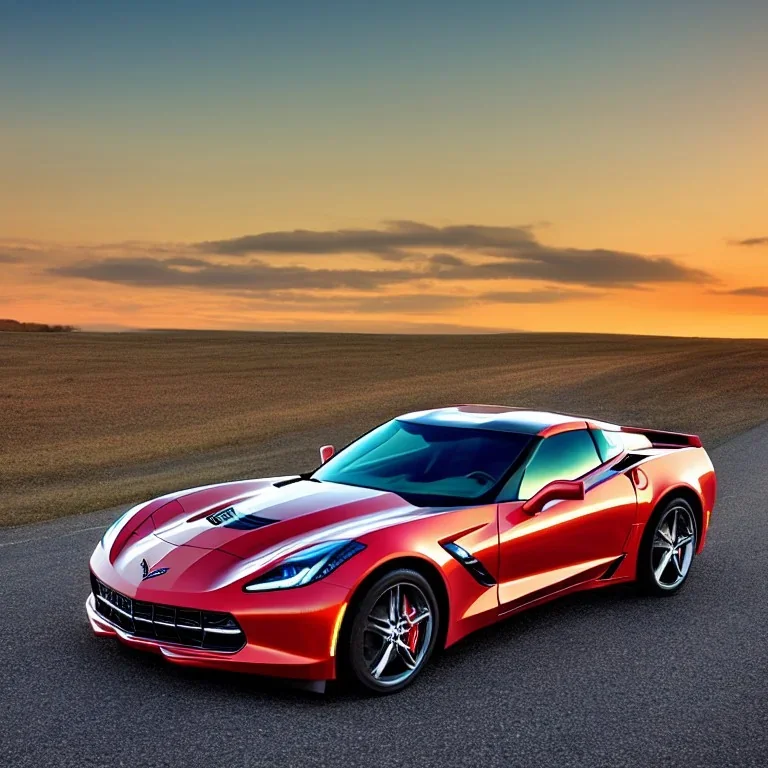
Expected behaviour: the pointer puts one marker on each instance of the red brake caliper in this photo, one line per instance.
(413, 633)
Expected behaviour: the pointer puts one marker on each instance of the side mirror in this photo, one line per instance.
(557, 490)
(326, 452)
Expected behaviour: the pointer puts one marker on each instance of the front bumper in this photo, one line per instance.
(292, 638)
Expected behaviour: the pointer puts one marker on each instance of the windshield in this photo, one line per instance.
(438, 464)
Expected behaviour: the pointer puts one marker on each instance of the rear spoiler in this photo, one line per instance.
(660, 438)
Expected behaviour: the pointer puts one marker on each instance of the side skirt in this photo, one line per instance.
(532, 600)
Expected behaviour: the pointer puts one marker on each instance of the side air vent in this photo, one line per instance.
(477, 570)
(628, 462)
(612, 568)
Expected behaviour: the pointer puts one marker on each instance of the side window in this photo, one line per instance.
(561, 457)
(609, 444)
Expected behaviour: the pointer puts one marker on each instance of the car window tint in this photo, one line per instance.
(561, 457)
(431, 464)
(609, 444)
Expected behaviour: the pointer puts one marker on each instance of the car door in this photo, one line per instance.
(568, 541)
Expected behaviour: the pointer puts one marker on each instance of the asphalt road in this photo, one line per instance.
(602, 679)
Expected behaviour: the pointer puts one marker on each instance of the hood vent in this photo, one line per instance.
(230, 518)
(249, 522)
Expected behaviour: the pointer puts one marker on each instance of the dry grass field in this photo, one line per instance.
(92, 420)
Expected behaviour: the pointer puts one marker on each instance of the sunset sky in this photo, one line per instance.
(393, 166)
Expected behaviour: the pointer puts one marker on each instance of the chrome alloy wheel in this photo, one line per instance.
(674, 541)
(397, 634)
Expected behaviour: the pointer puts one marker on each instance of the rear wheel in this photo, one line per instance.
(391, 633)
(668, 548)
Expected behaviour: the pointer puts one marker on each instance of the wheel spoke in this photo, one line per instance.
(405, 654)
(394, 604)
(378, 626)
(662, 566)
(398, 632)
(419, 617)
(676, 536)
(382, 661)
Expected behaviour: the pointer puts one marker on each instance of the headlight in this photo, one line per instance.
(307, 566)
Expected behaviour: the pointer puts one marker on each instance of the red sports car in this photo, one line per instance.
(423, 530)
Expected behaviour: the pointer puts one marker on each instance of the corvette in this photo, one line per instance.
(425, 529)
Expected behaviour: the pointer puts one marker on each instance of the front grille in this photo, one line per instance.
(209, 630)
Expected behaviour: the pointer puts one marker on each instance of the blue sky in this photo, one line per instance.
(632, 127)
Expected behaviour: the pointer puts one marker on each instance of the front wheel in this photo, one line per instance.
(668, 548)
(391, 633)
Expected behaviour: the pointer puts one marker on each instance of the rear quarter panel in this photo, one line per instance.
(683, 469)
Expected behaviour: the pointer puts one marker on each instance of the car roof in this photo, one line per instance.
(502, 418)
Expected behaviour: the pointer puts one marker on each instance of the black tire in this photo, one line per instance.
(358, 642)
(651, 556)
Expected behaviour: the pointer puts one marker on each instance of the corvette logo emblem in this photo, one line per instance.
(232, 518)
(222, 516)
(147, 574)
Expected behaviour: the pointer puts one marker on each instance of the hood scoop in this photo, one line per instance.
(231, 518)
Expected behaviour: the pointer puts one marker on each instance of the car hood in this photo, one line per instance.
(278, 517)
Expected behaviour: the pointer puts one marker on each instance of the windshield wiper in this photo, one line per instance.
(296, 479)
